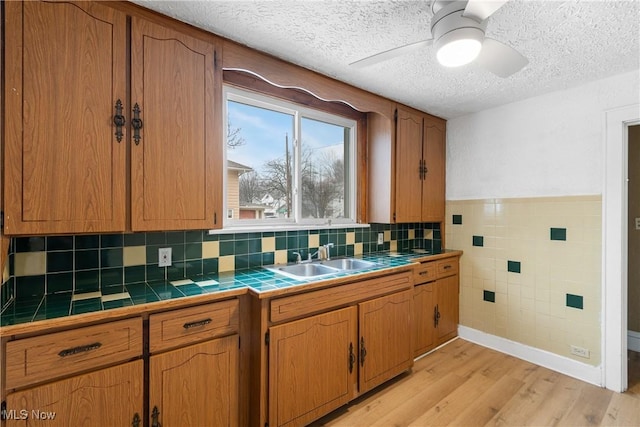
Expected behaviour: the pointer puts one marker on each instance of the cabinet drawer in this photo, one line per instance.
(425, 272)
(447, 267)
(188, 325)
(36, 359)
(324, 299)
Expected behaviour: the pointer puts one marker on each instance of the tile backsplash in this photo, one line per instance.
(84, 263)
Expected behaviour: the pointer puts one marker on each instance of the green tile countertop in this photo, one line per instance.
(259, 281)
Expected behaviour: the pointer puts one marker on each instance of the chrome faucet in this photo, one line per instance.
(327, 251)
(298, 257)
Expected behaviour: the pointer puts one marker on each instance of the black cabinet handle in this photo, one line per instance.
(363, 351)
(119, 121)
(136, 420)
(80, 349)
(196, 323)
(352, 357)
(435, 316)
(136, 124)
(154, 417)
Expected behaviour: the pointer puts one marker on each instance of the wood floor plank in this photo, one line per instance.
(464, 384)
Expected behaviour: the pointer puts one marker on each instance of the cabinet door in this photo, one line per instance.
(385, 338)
(433, 185)
(176, 165)
(424, 310)
(448, 307)
(312, 367)
(196, 385)
(65, 69)
(108, 397)
(408, 185)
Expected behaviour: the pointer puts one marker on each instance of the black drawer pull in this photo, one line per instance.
(448, 267)
(196, 324)
(80, 349)
(422, 273)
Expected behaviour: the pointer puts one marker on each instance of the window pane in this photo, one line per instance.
(259, 162)
(323, 177)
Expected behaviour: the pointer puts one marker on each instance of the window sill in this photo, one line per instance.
(284, 227)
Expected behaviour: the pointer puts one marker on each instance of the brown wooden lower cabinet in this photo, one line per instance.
(436, 304)
(196, 385)
(107, 397)
(321, 362)
(312, 366)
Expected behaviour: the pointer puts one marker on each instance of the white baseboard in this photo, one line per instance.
(564, 365)
(633, 340)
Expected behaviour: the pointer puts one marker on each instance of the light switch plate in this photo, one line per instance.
(637, 223)
(381, 238)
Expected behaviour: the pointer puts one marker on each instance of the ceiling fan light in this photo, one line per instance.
(459, 47)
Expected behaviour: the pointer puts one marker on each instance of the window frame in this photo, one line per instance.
(298, 111)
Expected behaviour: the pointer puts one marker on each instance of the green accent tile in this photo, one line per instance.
(478, 240)
(227, 237)
(107, 305)
(156, 238)
(193, 251)
(87, 260)
(513, 266)
(53, 306)
(177, 252)
(255, 260)
(241, 262)
(86, 306)
(558, 234)
(135, 239)
(303, 241)
(575, 301)
(111, 257)
(268, 258)
(165, 290)
(154, 272)
(255, 245)
(193, 236)
(59, 282)
(30, 244)
(111, 240)
(210, 266)
(88, 242)
(113, 289)
(175, 237)
(152, 253)
(227, 248)
(59, 243)
(193, 267)
(87, 281)
(140, 293)
(241, 247)
(281, 243)
(489, 296)
(30, 287)
(350, 250)
(457, 219)
(59, 261)
(206, 237)
(111, 276)
(133, 274)
(175, 271)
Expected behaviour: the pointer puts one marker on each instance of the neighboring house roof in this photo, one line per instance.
(254, 207)
(231, 165)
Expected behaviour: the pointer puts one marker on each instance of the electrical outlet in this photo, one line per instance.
(164, 257)
(381, 238)
(637, 223)
(580, 352)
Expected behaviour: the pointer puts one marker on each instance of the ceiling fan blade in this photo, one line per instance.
(391, 53)
(500, 59)
(482, 9)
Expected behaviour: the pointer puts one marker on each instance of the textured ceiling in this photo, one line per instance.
(568, 43)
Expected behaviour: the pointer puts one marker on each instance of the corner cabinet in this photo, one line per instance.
(420, 167)
(69, 125)
(436, 304)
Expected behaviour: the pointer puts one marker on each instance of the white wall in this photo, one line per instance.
(549, 145)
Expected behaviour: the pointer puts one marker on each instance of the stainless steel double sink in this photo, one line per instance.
(319, 268)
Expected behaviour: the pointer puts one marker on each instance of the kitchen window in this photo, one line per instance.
(287, 164)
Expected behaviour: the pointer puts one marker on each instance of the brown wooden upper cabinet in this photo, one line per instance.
(66, 82)
(420, 167)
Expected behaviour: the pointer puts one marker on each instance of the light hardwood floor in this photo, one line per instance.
(464, 384)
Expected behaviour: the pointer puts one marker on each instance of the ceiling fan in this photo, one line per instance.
(457, 28)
